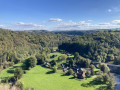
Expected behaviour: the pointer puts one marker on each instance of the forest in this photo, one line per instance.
(75, 52)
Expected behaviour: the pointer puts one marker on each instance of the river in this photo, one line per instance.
(117, 78)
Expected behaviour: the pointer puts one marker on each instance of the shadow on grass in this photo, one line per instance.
(102, 88)
(64, 75)
(91, 83)
(72, 78)
(50, 72)
(10, 71)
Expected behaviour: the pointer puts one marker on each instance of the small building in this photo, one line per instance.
(47, 63)
(66, 70)
(68, 54)
(63, 66)
(81, 73)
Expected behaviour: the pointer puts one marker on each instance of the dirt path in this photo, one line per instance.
(6, 87)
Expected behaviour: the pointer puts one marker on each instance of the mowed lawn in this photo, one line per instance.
(41, 78)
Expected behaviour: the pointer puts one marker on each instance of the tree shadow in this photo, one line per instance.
(64, 75)
(72, 78)
(50, 72)
(10, 71)
(91, 83)
(102, 88)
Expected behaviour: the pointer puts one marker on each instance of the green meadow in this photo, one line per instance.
(41, 78)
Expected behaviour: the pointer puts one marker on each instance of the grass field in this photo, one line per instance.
(41, 78)
(9, 72)
(55, 53)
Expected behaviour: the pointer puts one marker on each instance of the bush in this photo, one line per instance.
(75, 76)
(53, 63)
(104, 68)
(40, 59)
(88, 73)
(18, 73)
(30, 62)
(70, 72)
(19, 85)
(25, 71)
(11, 79)
(54, 69)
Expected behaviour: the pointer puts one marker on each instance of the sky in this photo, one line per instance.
(59, 14)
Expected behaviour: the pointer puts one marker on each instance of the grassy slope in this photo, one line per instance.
(55, 53)
(41, 78)
(9, 72)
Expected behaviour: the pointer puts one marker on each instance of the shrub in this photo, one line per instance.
(53, 63)
(31, 62)
(75, 76)
(54, 69)
(40, 59)
(19, 85)
(88, 73)
(70, 72)
(18, 73)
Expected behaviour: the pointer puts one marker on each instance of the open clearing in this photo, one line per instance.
(41, 78)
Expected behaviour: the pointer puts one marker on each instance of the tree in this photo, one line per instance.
(98, 58)
(111, 84)
(40, 59)
(53, 63)
(92, 69)
(54, 69)
(70, 72)
(104, 68)
(87, 63)
(71, 63)
(88, 73)
(18, 73)
(63, 57)
(106, 78)
(110, 57)
(76, 56)
(31, 62)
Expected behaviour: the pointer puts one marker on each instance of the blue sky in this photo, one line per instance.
(59, 14)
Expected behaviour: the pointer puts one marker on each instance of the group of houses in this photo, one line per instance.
(79, 72)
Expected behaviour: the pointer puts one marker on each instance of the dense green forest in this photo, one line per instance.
(100, 46)
(31, 48)
(16, 46)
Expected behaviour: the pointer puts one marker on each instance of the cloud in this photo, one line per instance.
(109, 10)
(116, 22)
(104, 24)
(82, 25)
(114, 9)
(55, 20)
(70, 25)
(1, 25)
(25, 26)
(90, 20)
